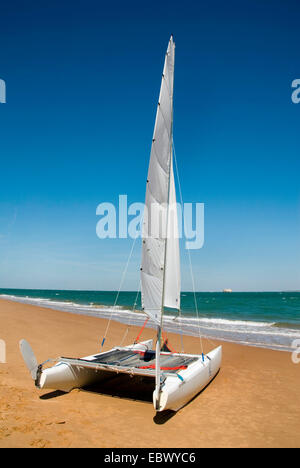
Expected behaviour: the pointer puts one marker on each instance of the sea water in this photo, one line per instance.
(264, 319)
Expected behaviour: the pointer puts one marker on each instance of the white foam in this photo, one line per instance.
(262, 334)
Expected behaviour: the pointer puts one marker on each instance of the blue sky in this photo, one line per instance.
(82, 86)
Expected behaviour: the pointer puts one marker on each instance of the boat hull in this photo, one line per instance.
(65, 376)
(178, 390)
(179, 384)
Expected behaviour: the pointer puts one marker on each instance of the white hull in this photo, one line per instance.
(66, 376)
(176, 393)
(177, 389)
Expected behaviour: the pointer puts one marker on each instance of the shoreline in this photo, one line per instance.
(255, 396)
(266, 335)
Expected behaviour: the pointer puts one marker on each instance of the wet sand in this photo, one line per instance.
(253, 402)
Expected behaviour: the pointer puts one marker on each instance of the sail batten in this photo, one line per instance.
(160, 250)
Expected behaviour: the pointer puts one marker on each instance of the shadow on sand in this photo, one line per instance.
(134, 388)
(55, 394)
(124, 386)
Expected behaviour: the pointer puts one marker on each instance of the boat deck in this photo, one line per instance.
(142, 360)
(134, 362)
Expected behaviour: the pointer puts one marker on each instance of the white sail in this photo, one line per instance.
(156, 256)
(172, 266)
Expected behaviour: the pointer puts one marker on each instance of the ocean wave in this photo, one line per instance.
(289, 325)
(218, 321)
(272, 335)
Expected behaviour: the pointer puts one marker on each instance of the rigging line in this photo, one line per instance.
(189, 255)
(181, 332)
(141, 330)
(212, 342)
(179, 310)
(133, 310)
(119, 290)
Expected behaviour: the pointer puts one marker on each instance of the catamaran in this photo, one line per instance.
(176, 377)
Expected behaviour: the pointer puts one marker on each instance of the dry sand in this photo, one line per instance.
(253, 402)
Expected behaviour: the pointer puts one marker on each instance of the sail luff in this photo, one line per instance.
(168, 201)
(157, 197)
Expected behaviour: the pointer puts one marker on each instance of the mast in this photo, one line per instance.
(159, 328)
(160, 269)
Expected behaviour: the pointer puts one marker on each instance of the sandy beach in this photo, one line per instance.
(253, 402)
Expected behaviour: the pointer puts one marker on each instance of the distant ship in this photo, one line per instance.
(227, 290)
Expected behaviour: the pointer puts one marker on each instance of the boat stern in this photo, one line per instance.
(178, 389)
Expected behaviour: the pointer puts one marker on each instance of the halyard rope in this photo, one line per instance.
(189, 254)
(118, 294)
(129, 324)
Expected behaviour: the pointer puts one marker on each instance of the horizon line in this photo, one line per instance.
(135, 290)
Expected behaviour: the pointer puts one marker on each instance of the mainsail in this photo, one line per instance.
(160, 268)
